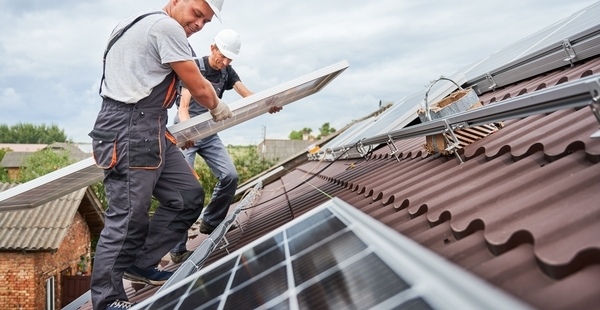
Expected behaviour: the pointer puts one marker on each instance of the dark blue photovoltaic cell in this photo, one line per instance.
(284, 305)
(249, 269)
(264, 246)
(170, 300)
(325, 256)
(308, 223)
(207, 287)
(202, 294)
(361, 285)
(261, 290)
(314, 234)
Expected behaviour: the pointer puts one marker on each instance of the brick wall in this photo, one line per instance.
(18, 278)
(13, 174)
(23, 274)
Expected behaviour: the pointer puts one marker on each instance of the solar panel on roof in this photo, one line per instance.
(333, 257)
(84, 173)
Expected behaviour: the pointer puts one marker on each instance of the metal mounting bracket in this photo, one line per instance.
(362, 150)
(344, 151)
(568, 48)
(452, 145)
(238, 224)
(393, 148)
(490, 79)
(329, 151)
(225, 244)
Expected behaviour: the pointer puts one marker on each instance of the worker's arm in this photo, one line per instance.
(184, 105)
(241, 89)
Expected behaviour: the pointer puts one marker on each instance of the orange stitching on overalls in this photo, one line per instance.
(171, 137)
(170, 93)
(113, 160)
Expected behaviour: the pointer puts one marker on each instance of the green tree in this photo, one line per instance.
(30, 133)
(299, 135)
(295, 135)
(43, 162)
(247, 163)
(3, 172)
(325, 130)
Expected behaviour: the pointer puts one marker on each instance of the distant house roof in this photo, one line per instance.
(17, 147)
(44, 227)
(15, 159)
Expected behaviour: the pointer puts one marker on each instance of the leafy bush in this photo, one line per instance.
(247, 162)
(43, 162)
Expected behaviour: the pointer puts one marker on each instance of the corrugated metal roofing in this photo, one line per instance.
(41, 228)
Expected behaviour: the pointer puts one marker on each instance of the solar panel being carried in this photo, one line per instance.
(84, 173)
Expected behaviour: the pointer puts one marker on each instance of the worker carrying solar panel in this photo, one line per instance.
(143, 58)
(217, 69)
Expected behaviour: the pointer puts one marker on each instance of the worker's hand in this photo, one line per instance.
(275, 109)
(221, 112)
(187, 145)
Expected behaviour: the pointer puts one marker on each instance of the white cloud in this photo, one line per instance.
(50, 53)
(9, 98)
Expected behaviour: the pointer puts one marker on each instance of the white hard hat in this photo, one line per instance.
(229, 43)
(216, 6)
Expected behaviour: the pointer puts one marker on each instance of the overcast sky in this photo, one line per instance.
(51, 53)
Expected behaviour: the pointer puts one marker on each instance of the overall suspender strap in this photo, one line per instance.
(220, 86)
(200, 63)
(115, 38)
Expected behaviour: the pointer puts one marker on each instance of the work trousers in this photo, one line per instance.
(215, 154)
(139, 162)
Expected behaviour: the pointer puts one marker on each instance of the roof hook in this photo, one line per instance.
(568, 48)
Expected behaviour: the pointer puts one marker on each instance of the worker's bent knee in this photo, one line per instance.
(193, 202)
(230, 177)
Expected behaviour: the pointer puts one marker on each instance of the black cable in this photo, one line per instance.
(369, 153)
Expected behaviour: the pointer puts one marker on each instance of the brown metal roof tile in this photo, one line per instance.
(560, 132)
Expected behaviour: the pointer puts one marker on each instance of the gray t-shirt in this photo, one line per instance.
(139, 60)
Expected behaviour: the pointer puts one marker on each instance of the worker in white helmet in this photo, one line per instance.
(145, 56)
(217, 69)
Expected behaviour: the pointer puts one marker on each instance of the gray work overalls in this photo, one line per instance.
(140, 160)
